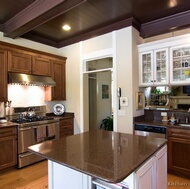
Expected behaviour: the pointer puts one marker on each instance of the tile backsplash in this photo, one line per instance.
(24, 96)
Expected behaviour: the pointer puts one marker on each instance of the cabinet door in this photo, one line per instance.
(161, 168)
(41, 66)
(8, 150)
(19, 62)
(3, 75)
(146, 68)
(180, 65)
(161, 67)
(58, 73)
(145, 176)
(179, 155)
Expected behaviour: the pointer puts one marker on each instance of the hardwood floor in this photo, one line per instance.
(31, 177)
(176, 182)
(35, 177)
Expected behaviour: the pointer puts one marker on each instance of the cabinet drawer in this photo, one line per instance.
(179, 133)
(9, 131)
(66, 128)
(64, 122)
(66, 133)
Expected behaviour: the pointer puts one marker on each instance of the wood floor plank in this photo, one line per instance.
(176, 182)
(33, 176)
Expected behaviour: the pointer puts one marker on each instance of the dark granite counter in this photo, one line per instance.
(162, 123)
(8, 124)
(109, 156)
(65, 115)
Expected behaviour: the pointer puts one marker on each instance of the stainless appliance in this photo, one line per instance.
(32, 128)
(150, 130)
(26, 79)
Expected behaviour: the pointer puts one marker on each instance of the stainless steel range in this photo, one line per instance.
(33, 127)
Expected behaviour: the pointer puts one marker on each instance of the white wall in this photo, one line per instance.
(124, 69)
(73, 83)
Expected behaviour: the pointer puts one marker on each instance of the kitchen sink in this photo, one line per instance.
(185, 124)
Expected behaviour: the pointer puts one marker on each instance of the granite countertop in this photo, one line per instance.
(65, 115)
(8, 124)
(162, 123)
(109, 156)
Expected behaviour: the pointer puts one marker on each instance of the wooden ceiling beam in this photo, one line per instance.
(164, 25)
(36, 14)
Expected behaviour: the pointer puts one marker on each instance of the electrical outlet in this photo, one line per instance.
(163, 113)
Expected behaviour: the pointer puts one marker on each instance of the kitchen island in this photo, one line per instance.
(80, 160)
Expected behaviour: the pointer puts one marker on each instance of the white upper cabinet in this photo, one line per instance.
(153, 67)
(180, 64)
(165, 61)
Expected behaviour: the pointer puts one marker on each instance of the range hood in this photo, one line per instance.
(31, 80)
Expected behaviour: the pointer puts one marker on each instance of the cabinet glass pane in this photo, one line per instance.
(181, 64)
(146, 66)
(147, 78)
(161, 66)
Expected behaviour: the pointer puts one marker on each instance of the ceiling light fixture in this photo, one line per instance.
(172, 3)
(66, 27)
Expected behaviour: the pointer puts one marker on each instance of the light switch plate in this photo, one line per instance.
(121, 112)
(123, 101)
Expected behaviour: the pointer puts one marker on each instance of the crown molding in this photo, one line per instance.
(164, 25)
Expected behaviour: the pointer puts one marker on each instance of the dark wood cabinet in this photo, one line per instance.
(58, 74)
(3, 75)
(27, 61)
(41, 66)
(20, 62)
(179, 151)
(66, 127)
(8, 147)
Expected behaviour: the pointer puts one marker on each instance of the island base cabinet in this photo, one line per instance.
(150, 175)
(153, 173)
(145, 176)
(62, 177)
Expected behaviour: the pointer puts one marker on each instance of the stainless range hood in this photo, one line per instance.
(31, 80)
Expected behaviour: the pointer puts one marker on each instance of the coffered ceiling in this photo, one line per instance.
(42, 20)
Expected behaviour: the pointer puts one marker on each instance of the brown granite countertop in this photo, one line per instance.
(109, 156)
(8, 124)
(162, 123)
(65, 115)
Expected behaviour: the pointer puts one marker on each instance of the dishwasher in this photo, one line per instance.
(150, 130)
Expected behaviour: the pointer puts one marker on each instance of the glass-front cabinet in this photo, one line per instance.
(180, 65)
(153, 67)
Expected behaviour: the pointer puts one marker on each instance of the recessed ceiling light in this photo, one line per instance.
(66, 27)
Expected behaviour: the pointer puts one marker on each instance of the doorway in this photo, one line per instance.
(99, 91)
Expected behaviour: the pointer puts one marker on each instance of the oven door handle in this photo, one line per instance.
(24, 129)
(25, 155)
